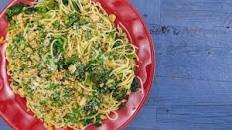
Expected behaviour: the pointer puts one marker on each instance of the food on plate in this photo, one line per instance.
(70, 61)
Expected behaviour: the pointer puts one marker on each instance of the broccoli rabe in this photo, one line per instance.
(135, 85)
(92, 105)
(98, 121)
(79, 71)
(94, 63)
(58, 45)
(72, 18)
(100, 75)
(41, 9)
(30, 10)
(117, 44)
(65, 2)
(87, 121)
(119, 94)
(111, 35)
(15, 10)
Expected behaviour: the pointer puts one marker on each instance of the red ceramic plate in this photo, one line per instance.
(13, 107)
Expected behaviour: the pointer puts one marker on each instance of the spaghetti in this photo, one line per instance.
(70, 61)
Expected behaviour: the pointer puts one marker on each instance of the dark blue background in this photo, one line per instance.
(193, 87)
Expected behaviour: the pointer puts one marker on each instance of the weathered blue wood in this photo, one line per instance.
(187, 104)
(149, 9)
(3, 3)
(193, 53)
(210, 14)
(3, 125)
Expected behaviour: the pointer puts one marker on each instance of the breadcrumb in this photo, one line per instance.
(1, 39)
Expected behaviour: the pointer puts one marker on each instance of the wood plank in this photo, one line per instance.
(3, 3)
(146, 119)
(189, 36)
(193, 104)
(193, 53)
(2, 122)
(3, 125)
(149, 9)
(139, 128)
(179, 91)
(210, 14)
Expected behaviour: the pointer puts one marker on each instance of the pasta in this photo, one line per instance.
(70, 61)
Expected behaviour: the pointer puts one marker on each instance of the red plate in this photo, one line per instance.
(13, 107)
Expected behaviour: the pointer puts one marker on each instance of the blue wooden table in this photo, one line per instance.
(193, 86)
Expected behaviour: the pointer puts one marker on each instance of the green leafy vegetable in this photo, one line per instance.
(58, 46)
(111, 35)
(92, 106)
(72, 18)
(30, 10)
(87, 121)
(80, 71)
(14, 10)
(119, 94)
(42, 9)
(98, 121)
(135, 85)
(117, 44)
(65, 2)
(92, 65)
(19, 38)
(100, 75)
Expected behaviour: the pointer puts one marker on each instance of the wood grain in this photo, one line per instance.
(209, 14)
(149, 9)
